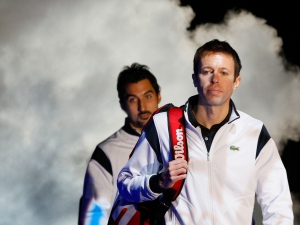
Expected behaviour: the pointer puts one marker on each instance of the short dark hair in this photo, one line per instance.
(133, 74)
(218, 46)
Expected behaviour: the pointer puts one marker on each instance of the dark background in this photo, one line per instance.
(284, 17)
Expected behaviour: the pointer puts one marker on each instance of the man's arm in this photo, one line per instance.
(148, 172)
(175, 171)
(97, 196)
(273, 193)
(133, 179)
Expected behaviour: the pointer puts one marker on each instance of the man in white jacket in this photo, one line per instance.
(139, 96)
(232, 157)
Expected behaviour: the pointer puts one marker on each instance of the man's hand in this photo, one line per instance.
(176, 171)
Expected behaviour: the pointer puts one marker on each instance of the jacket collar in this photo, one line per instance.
(129, 129)
(193, 100)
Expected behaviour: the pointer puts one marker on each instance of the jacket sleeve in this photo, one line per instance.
(133, 179)
(96, 200)
(273, 193)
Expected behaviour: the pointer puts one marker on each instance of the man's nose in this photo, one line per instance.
(142, 105)
(215, 78)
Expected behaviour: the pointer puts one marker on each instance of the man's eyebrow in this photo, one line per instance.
(209, 67)
(147, 92)
(206, 67)
(129, 95)
(133, 95)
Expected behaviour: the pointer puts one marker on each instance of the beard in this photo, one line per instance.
(143, 118)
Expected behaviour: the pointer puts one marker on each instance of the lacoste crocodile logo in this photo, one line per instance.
(234, 148)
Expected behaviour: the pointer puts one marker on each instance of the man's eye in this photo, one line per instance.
(224, 73)
(131, 100)
(206, 72)
(148, 96)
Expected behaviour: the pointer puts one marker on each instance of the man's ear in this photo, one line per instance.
(237, 82)
(158, 97)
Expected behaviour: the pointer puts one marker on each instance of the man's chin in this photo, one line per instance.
(142, 122)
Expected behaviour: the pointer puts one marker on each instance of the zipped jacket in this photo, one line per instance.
(221, 184)
(100, 186)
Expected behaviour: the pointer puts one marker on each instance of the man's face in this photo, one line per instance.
(215, 79)
(141, 102)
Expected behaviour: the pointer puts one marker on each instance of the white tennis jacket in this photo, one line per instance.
(221, 185)
(102, 171)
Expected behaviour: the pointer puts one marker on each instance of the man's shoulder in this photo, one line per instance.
(158, 115)
(119, 144)
(245, 115)
(118, 137)
(249, 120)
(165, 108)
(159, 123)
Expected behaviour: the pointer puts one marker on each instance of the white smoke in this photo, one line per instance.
(59, 61)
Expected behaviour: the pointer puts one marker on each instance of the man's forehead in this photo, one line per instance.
(216, 59)
(140, 88)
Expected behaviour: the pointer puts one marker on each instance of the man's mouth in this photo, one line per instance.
(214, 91)
(144, 115)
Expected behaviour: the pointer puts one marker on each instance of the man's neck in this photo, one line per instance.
(210, 115)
